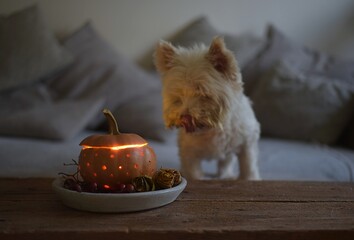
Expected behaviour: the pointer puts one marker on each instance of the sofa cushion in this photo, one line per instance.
(281, 48)
(29, 51)
(295, 104)
(200, 31)
(143, 116)
(60, 120)
(278, 48)
(278, 159)
(245, 46)
(99, 71)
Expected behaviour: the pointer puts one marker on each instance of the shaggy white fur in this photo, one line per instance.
(203, 96)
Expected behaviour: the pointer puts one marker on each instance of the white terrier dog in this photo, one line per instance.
(203, 95)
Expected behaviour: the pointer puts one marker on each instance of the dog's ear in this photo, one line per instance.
(164, 56)
(222, 59)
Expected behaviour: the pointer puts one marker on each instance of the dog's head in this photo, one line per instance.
(198, 84)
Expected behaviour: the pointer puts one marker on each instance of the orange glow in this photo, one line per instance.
(116, 148)
(120, 167)
(95, 174)
(87, 164)
(111, 156)
(106, 186)
(135, 166)
(104, 167)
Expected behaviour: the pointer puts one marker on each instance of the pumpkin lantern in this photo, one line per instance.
(116, 157)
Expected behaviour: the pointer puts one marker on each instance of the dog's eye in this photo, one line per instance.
(207, 98)
(176, 101)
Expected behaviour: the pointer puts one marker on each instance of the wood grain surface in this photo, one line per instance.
(29, 209)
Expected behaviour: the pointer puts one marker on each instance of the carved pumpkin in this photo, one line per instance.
(115, 157)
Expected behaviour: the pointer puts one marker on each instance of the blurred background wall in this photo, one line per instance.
(134, 26)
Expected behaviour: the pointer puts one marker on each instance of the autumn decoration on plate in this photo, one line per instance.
(118, 163)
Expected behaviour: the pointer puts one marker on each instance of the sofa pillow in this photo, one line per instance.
(131, 94)
(293, 104)
(29, 51)
(280, 47)
(245, 46)
(23, 98)
(198, 31)
(99, 71)
(143, 116)
(50, 120)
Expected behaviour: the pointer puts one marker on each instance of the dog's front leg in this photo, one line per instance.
(191, 168)
(248, 161)
(226, 167)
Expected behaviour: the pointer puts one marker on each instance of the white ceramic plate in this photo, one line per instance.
(117, 202)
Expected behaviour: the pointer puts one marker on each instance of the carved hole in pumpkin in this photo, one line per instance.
(104, 167)
(135, 166)
(127, 155)
(106, 186)
(120, 167)
(87, 164)
(95, 174)
(111, 156)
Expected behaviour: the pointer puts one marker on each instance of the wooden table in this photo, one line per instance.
(205, 210)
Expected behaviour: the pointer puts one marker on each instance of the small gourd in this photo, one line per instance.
(115, 158)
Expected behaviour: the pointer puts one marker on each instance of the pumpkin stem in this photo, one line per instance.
(112, 123)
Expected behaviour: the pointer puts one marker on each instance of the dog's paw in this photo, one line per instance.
(249, 178)
(227, 176)
(192, 175)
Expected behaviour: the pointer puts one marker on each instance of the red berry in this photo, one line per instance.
(69, 183)
(120, 187)
(77, 187)
(93, 187)
(129, 188)
(72, 184)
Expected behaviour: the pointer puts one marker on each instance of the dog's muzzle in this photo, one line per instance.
(188, 123)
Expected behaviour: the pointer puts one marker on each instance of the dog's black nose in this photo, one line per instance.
(188, 123)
